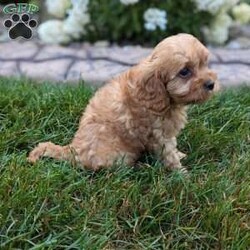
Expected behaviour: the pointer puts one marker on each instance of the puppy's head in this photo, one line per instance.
(179, 67)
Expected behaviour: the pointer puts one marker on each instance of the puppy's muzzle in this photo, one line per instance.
(209, 85)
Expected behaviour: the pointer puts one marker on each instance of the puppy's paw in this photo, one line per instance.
(33, 157)
(37, 152)
(181, 155)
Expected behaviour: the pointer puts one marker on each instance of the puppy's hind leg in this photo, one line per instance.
(52, 150)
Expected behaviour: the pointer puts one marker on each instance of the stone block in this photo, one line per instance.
(17, 50)
(97, 72)
(233, 74)
(8, 69)
(57, 51)
(49, 70)
(227, 55)
(127, 55)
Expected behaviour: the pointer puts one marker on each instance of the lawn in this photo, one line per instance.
(52, 205)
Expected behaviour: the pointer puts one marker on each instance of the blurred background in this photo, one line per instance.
(215, 22)
(95, 40)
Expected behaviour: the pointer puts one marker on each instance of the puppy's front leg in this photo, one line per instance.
(169, 154)
(180, 154)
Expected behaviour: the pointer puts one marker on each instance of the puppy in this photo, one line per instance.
(143, 109)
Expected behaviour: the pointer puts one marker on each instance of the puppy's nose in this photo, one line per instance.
(209, 85)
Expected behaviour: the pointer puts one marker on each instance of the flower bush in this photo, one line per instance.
(139, 21)
(241, 13)
(74, 18)
(224, 14)
(58, 8)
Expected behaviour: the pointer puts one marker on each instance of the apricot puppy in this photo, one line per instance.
(143, 109)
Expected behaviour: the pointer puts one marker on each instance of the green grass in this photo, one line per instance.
(52, 205)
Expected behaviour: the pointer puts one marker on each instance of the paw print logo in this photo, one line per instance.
(20, 26)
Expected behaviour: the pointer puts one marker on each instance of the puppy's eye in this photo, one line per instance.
(185, 73)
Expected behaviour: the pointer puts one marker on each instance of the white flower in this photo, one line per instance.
(215, 6)
(155, 17)
(80, 5)
(77, 18)
(127, 2)
(58, 8)
(218, 31)
(62, 31)
(241, 13)
(211, 6)
(74, 25)
(80, 11)
(228, 5)
(52, 32)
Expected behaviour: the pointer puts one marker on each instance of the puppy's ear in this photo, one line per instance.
(151, 92)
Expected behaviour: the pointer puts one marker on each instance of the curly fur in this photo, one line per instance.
(143, 109)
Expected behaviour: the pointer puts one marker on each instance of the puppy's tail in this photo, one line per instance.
(52, 150)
